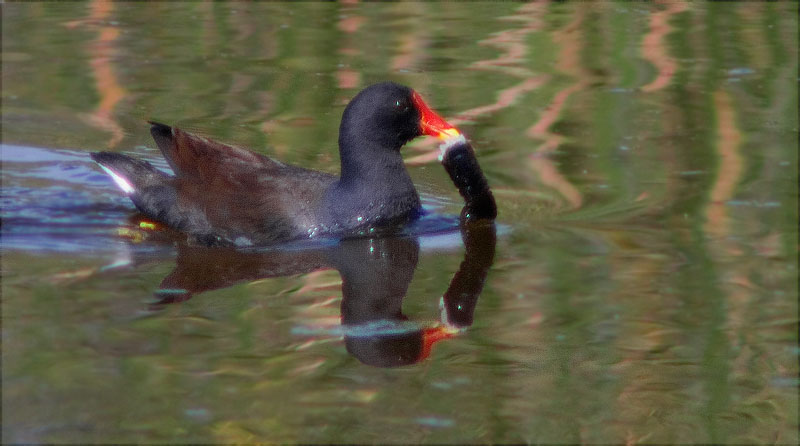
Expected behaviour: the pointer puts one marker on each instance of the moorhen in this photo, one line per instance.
(226, 195)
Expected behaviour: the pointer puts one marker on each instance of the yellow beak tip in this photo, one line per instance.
(449, 133)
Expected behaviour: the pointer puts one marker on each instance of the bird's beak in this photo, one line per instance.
(431, 123)
(433, 335)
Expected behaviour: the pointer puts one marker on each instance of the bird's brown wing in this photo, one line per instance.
(252, 205)
(203, 159)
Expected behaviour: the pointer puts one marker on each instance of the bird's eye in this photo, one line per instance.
(401, 105)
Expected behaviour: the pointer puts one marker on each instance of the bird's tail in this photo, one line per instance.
(130, 175)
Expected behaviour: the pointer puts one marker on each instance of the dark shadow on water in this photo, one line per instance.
(376, 273)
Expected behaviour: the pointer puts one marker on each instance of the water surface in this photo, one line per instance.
(641, 286)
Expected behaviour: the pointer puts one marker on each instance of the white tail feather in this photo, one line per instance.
(123, 183)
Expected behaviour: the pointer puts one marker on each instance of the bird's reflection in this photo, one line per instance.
(375, 275)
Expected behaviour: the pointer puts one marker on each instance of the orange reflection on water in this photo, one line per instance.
(409, 51)
(730, 165)
(101, 50)
(513, 42)
(349, 23)
(505, 99)
(735, 280)
(654, 48)
(569, 63)
(511, 61)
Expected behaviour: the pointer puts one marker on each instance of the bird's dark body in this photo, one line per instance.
(221, 194)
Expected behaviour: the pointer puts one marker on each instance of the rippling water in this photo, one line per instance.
(640, 285)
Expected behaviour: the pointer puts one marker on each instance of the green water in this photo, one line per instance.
(643, 287)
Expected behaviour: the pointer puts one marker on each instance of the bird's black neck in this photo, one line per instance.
(373, 186)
